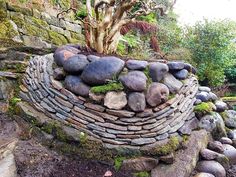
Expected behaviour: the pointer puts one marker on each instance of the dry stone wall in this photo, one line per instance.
(30, 27)
(113, 127)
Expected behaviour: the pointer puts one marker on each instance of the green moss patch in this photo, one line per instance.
(7, 30)
(142, 174)
(149, 79)
(56, 38)
(113, 86)
(204, 108)
(172, 145)
(118, 162)
(232, 98)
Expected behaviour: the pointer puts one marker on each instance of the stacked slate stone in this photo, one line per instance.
(136, 117)
(217, 158)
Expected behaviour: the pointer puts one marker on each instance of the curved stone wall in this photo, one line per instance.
(113, 127)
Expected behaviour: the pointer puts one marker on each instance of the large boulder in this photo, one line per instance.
(230, 118)
(136, 64)
(182, 74)
(211, 167)
(214, 124)
(230, 152)
(61, 56)
(102, 70)
(157, 71)
(134, 81)
(204, 175)
(115, 100)
(75, 64)
(76, 85)
(136, 101)
(157, 93)
(172, 83)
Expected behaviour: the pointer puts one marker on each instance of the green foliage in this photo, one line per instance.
(150, 18)
(149, 79)
(118, 162)
(169, 33)
(81, 13)
(112, 86)
(172, 145)
(230, 74)
(204, 108)
(142, 174)
(213, 49)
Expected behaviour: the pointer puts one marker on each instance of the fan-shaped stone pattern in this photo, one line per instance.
(75, 64)
(135, 131)
(102, 70)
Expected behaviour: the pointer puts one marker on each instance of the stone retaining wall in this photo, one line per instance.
(113, 127)
(30, 27)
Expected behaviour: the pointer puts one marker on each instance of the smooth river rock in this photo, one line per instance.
(157, 71)
(182, 74)
(61, 56)
(136, 101)
(115, 100)
(136, 64)
(211, 167)
(75, 64)
(102, 70)
(157, 93)
(134, 81)
(76, 85)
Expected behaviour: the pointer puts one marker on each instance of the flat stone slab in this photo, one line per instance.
(185, 159)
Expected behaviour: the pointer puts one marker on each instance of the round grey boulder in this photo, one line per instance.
(232, 134)
(115, 100)
(230, 152)
(211, 167)
(182, 74)
(230, 118)
(214, 124)
(221, 106)
(136, 64)
(134, 81)
(216, 146)
(157, 93)
(157, 71)
(75, 64)
(203, 96)
(197, 102)
(76, 86)
(136, 101)
(102, 70)
(213, 96)
(176, 65)
(61, 56)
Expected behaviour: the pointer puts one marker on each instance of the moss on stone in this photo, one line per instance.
(23, 10)
(172, 145)
(113, 86)
(204, 108)
(18, 18)
(118, 162)
(39, 22)
(7, 30)
(33, 30)
(56, 38)
(3, 14)
(142, 174)
(231, 98)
